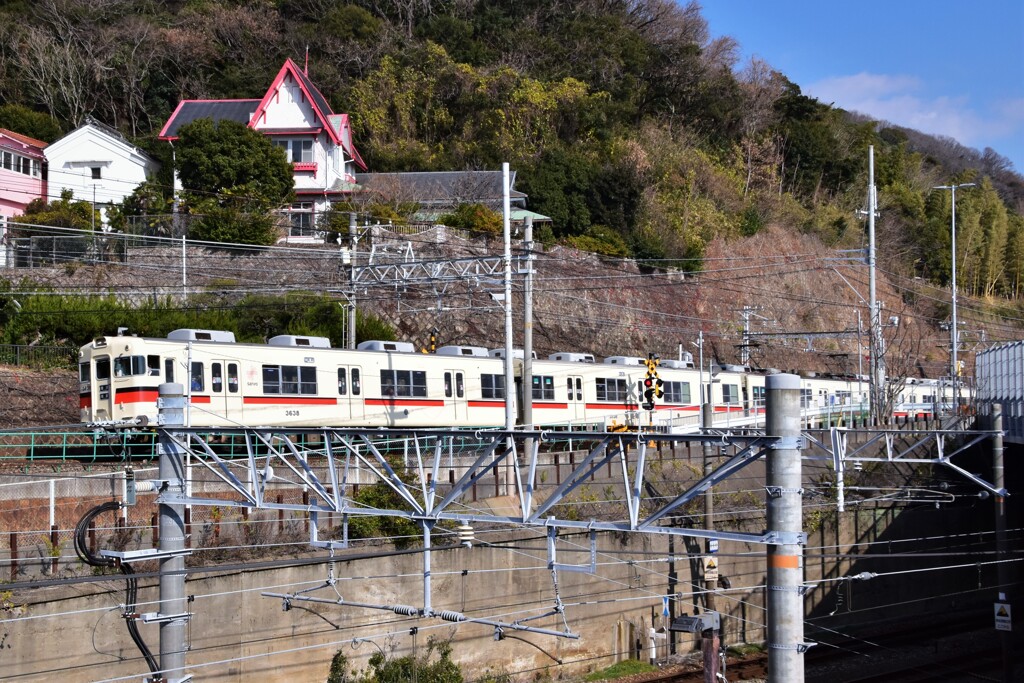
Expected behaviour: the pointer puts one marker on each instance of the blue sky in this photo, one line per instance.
(941, 67)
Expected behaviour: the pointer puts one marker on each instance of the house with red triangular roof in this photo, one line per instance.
(296, 116)
(22, 173)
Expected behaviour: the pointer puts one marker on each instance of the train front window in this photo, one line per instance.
(153, 365)
(125, 366)
(103, 368)
(84, 372)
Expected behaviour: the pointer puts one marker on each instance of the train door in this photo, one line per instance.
(456, 405)
(350, 394)
(577, 406)
(225, 391)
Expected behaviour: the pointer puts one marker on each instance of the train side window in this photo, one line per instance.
(169, 369)
(216, 378)
(492, 386)
(460, 386)
(355, 382)
(233, 378)
(84, 372)
(103, 368)
(271, 379)
(197, 376)
(447, 385)
(342, 382)
(153, 365)
(307, 381)
(543, 387)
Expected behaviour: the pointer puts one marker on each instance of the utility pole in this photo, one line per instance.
(528, 331)
(173, 611)
(954, 331)
(785, 588)
(1002, 568)
(510, 417)
(710, 638)
(353, 240)
(877, 352)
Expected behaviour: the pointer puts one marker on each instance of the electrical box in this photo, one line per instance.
(697, 623)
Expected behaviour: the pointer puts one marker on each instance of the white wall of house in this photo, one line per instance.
(96, 166)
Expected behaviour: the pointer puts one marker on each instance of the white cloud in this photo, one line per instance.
(898, 100)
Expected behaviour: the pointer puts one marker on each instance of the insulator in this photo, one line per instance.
(466, 535)
(145, 486)
(407, 610)
(449, 615)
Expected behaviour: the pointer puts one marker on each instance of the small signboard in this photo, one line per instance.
(712, 545)
(711, 569)
(1004, 622)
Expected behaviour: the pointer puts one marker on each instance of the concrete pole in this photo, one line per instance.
(785, 560)
(510, 415)
(709, 502)
(1003, 569)
(172, 538)
(528, 330)
(352, 243)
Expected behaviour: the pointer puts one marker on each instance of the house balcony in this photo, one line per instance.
(305, 167)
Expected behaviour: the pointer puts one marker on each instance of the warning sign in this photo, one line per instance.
(1003, 620)
(710, 569)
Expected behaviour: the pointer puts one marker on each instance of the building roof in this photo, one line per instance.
(218, 110)
(21, 143)
(110, 132)
(444, 188)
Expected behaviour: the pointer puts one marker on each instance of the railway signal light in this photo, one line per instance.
(652, 383)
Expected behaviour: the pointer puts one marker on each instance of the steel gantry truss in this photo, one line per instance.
(328, 464)
(324, 462)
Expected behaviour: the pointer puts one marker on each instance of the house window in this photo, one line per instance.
(301, 216)
(97, 172)
(297, 151)
(8, 160)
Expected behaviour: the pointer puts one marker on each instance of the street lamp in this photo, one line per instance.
(954, 333)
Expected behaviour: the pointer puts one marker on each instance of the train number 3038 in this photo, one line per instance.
(291, 413)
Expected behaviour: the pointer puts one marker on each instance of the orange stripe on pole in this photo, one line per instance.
(784, 561)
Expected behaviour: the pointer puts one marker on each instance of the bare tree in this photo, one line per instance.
(58, 75)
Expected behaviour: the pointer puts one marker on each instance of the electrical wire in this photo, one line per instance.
(131, 583)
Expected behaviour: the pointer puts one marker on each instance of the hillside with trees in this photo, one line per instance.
(626, 123)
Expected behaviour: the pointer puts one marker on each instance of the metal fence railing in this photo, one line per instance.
(38, 356)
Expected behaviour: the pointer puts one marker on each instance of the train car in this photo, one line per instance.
(301, 381)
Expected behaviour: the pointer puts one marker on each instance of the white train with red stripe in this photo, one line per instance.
(302, 382)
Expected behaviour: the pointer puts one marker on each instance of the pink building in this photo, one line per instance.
(22, 173)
